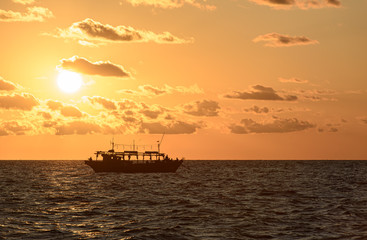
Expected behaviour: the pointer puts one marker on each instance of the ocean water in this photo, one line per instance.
(202, 200)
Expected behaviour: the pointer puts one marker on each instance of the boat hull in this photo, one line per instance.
(133, 167)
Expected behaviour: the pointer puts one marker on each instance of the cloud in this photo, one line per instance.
(257, 109)
(152, 111)
(70, 111)
(33, 14)
(49, 124)
(317, 95)
(65, 110)
(148, 89)
(301, 4)
(126, 104)
(261, 93)
(45, 115)
(22, 101)
(78, 127)
(292, 80)
(54, 105)
(93, 32)
(334, 3)
(82, 65)
(13, 127)
(178, 127)
(3, 132)
(24, 2)
(363, 119)
(182, 89)
(6, 85)
(128, 110)
(153, 114)
(104, 102)
(207, 108)
(152, 91)
(277, 126)
(115, 116)
(333, 129)
(282, 40)
(172, 3)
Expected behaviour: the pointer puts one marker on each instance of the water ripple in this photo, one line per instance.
(203, 200)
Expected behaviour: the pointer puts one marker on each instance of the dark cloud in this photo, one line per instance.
(6, 85)
(261, 93)
(207, 108)
(257, 109)
(22, 101)
(33, 14)
(106, 103)
(277, 126)
(302, 4)
(335, 3)
(90, 32)
(282, 40)
(282, 2)
(82, 65)
(178, 127)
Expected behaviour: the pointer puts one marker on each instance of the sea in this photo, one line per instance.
(202, 200)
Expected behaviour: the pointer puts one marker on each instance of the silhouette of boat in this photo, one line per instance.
(134, 161)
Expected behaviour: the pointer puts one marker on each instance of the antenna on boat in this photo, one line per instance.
(113, 143)
(160, 142)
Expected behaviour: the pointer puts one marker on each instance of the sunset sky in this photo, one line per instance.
(223, 79)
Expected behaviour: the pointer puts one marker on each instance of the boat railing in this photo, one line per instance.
(126, 155)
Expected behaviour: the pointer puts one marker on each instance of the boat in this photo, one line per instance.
(132, 161)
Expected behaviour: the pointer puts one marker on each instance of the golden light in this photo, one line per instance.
(69, 82)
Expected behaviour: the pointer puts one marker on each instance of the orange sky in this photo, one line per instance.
(224, 79)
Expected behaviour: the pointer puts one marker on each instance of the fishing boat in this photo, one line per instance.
(133, 161)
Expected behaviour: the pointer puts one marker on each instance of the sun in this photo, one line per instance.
(69, 82)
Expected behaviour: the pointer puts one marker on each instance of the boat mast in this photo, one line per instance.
(113, 143)
(159, 143)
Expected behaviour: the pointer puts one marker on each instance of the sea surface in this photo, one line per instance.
(202, 200)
